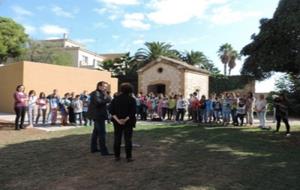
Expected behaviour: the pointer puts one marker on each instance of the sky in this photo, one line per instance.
(116, 26)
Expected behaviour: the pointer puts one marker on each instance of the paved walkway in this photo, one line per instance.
(11, 117)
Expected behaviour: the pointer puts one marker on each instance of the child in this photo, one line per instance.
(53, 104)
(85, 107)
(77, 106)
(42, 108)
(180, 108)
(217, 106)
(31, 107)
(226, 109)
(241, 112)
(260, 108)
(65, 102)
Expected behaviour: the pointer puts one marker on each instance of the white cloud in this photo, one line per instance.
(169, 12)
(85, 40)
(135, 21)
(21, 11)
(40, 8)
(115, 37)
(58, 11)
(53, 29)
(120, 2)
(113, 11)
(29, 29)
(100, 10)
(100, 25)
(138, 41)
(225, 15)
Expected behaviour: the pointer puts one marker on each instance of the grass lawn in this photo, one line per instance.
(175, 157)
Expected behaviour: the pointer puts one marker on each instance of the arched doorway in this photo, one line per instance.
(157, 88)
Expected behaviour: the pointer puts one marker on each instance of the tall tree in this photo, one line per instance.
(234, 55)
(197, 58)
(40, 51)
(12, 39)
(277, 46)
(155, 49)
(125, 65)
(228, 57)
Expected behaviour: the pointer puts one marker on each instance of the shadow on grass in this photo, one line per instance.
(170, 157)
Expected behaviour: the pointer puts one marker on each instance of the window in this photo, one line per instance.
(84, 60)
(160, 70)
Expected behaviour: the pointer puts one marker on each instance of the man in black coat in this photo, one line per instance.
(123, 110)
(97, 111)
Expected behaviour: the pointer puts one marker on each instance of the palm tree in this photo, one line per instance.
(233, 56)
(155, 49)
(195, 58)
(228, 56)
(120, 66)
(224, 54)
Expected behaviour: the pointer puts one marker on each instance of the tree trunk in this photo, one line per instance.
(229, 72)
(225, 68)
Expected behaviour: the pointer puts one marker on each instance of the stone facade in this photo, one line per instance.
(196, 81)
(169, 76)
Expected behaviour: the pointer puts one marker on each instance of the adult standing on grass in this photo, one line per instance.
(123, 110)
(20, 106)
(97, 111)
(281, 106)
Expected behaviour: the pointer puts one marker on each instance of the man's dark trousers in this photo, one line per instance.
(99, 133)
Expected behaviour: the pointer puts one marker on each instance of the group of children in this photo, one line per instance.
(224, 108)
(72, 108)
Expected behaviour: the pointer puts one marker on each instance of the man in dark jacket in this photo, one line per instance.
(97, 111)
(123, 110)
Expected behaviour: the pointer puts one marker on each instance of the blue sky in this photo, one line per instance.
(113, 26)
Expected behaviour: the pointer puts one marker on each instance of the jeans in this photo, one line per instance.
(78, 116)
(208, 115)
(31, 110)
(262, 118)
(99, 134)
(39, 114)
(249, 117)
(20, 114)
(180, 114)
(226, 115)
(201, 115)
(217, 114)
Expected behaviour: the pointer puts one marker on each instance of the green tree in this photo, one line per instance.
(12, 39)
(197, 58)
(277, 46)
(290, 85)
(228, 57)
(125, 65)
(40, 51)
(155, 49)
